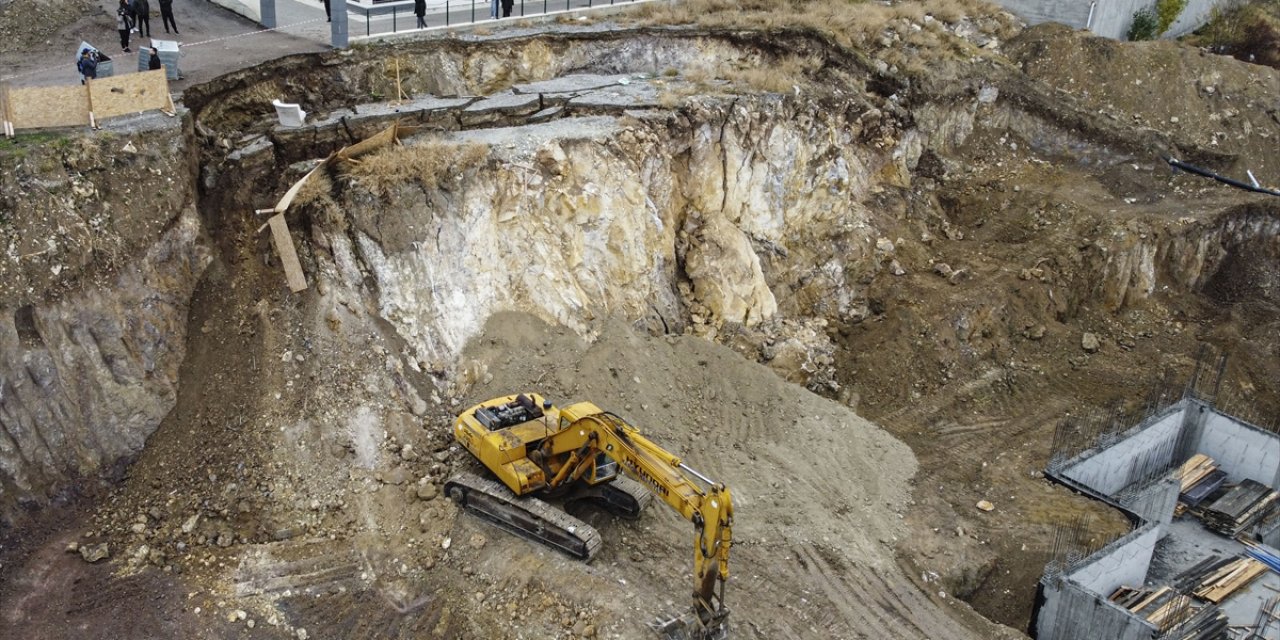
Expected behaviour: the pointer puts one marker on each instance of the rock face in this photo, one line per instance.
(89, 357)
(699, 219)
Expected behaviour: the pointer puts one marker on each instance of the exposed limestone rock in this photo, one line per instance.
(94, 372)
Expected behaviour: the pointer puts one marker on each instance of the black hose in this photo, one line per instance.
(1190, 168)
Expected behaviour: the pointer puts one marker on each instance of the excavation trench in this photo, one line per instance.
(629, 218)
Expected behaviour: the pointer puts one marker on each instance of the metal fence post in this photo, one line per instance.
(366, 22)
(394, 12)
(338, 28)
(446, 13)
(473, 10)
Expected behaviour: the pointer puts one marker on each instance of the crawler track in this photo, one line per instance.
(526, 517)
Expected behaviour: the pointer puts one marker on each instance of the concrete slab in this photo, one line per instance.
(504, 102)
(524, 141)
(1190, 542)
(574, 83)
(631, 96)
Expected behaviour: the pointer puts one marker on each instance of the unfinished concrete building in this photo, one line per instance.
(1186, 570)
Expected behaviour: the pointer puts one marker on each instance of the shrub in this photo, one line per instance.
(1144, 25)
(1168, 11)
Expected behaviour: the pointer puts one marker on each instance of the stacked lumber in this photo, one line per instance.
(1192, 576)
(1207, 623)
(1240, 507)
(1195, 470)
(1219, 585)
(1199, 477)
(1163, 607)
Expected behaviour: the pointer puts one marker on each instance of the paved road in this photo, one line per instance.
(214, 41)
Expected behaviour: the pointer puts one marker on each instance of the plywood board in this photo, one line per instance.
(383, 138)
(4, 101)
(288, 257)
(129, 93)
(37, 107)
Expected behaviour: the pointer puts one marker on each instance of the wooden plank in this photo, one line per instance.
(1149, 599)
(129, 93)
(4, 108)
(1234, 577)
(288, 257)
(40, 107)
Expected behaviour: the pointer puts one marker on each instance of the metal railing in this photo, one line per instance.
(398, 16)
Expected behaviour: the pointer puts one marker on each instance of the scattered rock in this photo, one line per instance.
(1089, 342)
(397, 476)
(427, 492)
(95, 552)
(189, 524)
(985, 505)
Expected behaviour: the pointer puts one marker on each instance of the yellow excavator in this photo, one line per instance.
(574, 454)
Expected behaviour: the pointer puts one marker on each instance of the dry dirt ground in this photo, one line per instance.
(823, 510)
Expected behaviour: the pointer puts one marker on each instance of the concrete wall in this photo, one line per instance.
(1154, 502)
(1123, 562)
(1109, 471)
(1070, 612)
(1111, 18)
(1073, 14)
(246, 8)
(1241, 450)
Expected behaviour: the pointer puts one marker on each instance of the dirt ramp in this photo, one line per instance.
(818, 490)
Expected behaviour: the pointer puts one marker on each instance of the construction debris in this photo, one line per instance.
(1230, 578)
(1163, 607)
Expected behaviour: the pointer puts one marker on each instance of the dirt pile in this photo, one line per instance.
(931, 227)
(30, 23)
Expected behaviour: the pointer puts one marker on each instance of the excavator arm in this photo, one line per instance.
(710, 509)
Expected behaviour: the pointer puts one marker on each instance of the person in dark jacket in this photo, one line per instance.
(327, 17)
(506, 8)
(88, 66)
(142, 13)
(420, 10)
(124, 21)
(166, 15)
(154, 63)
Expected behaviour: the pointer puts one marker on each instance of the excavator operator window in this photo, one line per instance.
(606, 467)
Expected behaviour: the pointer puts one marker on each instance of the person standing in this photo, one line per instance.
(123, 24)
(142, 13)
(506, 7)
(328, 17)
(88, 66)
(166, 16)
(420, 10)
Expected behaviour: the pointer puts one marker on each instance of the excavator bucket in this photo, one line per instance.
(691, 626)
